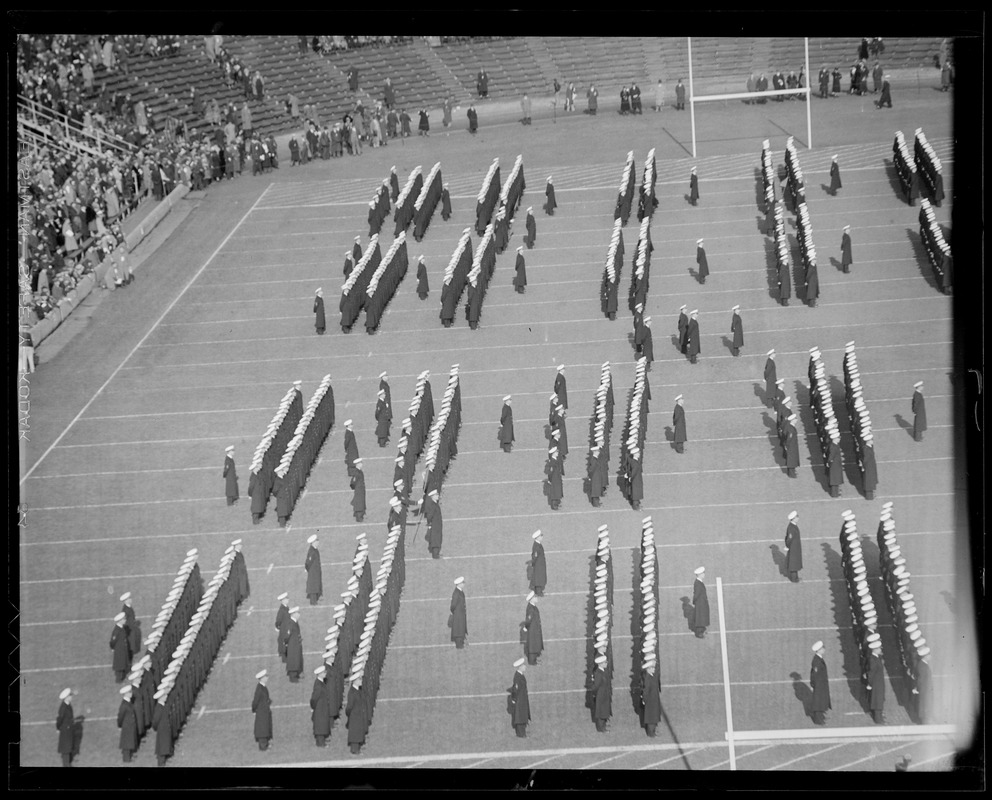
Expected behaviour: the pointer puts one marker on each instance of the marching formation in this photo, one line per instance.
(630, 477)
(860, 423)
(599, 674)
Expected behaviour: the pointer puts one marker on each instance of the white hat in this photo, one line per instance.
(735, 308)
(817, 646)
(229, 449)
(519, 662)
(459, 581)
(262, 674)
(923, 651)
(793, 514)
(312, 539)
(700, 570)
(191, 553)
(283, 596)
(294, 610)
(119, 617)
(64, 694)
(125, 596)
(507, 398)
(320, 670)
(531, 596)
(535, 534)
(347, 422)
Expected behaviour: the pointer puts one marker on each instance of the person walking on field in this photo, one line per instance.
(820, 685)
(458, 620)
(518, 701)
(793, 548)
(700, 604)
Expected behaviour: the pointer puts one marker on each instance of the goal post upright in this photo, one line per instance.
(806, 91)
(692, 102)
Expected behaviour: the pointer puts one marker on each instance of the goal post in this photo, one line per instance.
(806, 90)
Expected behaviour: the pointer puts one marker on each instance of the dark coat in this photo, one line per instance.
(321, 713)
(835, 183)
(231, 478)
(678, 424)
(122, 651)
(683, 330)
(435, 523)
(63, 723)
(602, 695)
(692, 339)
(554, 487)
(561, 389)
(519, 701)
(383, 418)
(531, 226)
(551, 203)
(820, 685)
(445, 203)
(350, 447)
(318, 309)
(422, 287)
(920, 412)
(868, 468)
(505, 434)
(358, 720)
(835, 470)
(315, 583)
(791, 447)
(459, 619)
(127, 721)
(532, 626)
(737, 328)
(162, 724)
(294, 647)
(261, 707)
(520, 276)
(540, 566)
(282, 620)
(693, 188)
(647, 345)
(876, 683)
(650, 698)
(812, 283)
(771, 376)
(845, 251)
(704, 265)
(700, 605)
(794, 548)
(358, 484)
(784, 282)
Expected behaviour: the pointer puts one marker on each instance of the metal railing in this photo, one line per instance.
(42, 117)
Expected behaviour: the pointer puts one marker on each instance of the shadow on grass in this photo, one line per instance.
(802, 691)
(779, 558)
(891, 653)
(922, 259)
(806, 418)
(851, 661)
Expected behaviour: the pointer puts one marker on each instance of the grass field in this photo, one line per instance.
(122, 473)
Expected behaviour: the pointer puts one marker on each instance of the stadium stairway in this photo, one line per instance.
(173, 77)
(287, 71)
(606, 63)
(546, 66)
(510, 64)
(413, 77)
(162, 104)
(452, 86)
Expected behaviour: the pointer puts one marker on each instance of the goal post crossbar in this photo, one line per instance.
(805, 91)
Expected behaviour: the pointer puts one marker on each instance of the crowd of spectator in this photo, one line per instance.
(330, 44)
(74, 198)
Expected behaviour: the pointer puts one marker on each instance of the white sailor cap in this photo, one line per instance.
(700, 570)
(459, 580)
(120, 617)
(320, 670)
(918, 384)
(531, 596)
(817, 646)
(519, 662)
(191, 553)
(312, 539)
(294, 610)
(283, 596)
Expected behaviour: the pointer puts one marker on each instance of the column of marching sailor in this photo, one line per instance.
(860, 422)
(378, 209)
(864, 617)
(785, 415)
(602, 425)
(270, 449)
(625, 195)
(826, 423)
(610, 286)
(630, 477)
(441, 447)
(194, 655)
(383, 283)
(646, 201)
(905, 165)
(483, 266)
(640, 276)
(914, 653)
(645, 651)
(929, 169)
(353, 292)
(144, 676)
(301, 452)
(456, 278)
(406, 201)
(775, 225)
(796, 190)
(599, 674)
(938, 251)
